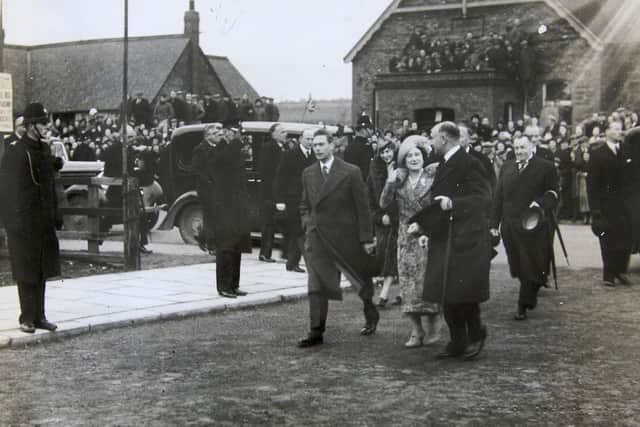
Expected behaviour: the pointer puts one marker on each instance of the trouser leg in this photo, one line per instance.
(528, 297)
(457, 327)
(236, 258)
(268, 228)
(29, 297)
(318, 309)
(224, 271)
(475, 329)
(266, 240)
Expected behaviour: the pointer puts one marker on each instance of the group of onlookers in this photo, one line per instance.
(568, 147)
(426, 52)
(87, 138)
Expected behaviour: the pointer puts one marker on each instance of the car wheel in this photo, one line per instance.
(190, 223)
(76, 222)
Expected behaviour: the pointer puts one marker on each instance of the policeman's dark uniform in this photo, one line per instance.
(30, 215)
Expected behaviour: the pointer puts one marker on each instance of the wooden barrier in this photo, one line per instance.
(95, 212)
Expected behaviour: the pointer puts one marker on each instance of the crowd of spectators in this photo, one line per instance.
(570, 147)
(494, 51)
(86, 138)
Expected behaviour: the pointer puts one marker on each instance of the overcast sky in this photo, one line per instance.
(285, 48)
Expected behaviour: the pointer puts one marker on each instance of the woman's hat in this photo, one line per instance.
(383, 143)
(409, 143)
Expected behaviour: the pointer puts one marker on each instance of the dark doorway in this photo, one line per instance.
(428, 117)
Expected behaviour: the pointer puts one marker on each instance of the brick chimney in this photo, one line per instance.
(192, 31)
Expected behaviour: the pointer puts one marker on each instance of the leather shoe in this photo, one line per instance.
(473, 350)
(239, 293)
(310, 341)
(521, 314)
(382, 302)
(622, 278)
(144, 250)
(296, 269)
(27, 328)
(227, 294)
(265, 259)
(45, 324)
(372, 318)
(608, 283)
(450, 352)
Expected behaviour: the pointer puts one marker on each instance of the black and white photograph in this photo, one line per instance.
(319, 213)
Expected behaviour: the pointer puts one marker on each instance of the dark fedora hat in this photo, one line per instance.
(532, 219)
(35, 113)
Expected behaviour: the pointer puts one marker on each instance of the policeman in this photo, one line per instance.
(30, 215)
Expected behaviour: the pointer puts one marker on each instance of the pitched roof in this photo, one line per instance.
(597, 21)
(234, 82)
(77, 76)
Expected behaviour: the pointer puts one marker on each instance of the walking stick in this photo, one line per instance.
(556, 227)
(447, 255)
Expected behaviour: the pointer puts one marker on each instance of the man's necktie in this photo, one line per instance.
(325, 172)
(522, 165)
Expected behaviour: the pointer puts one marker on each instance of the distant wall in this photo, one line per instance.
(327, 111)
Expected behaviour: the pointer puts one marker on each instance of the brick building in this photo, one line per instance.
(73, 77)
(582, 61)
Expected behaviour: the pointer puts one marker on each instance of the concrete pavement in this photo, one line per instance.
(115, 300)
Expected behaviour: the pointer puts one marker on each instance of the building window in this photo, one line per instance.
(556, 90)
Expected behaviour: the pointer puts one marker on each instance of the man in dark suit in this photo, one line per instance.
(465, 142)
(339, 235)
(529, 182)
(29, 212)
(268, 162)
(610, 222)
(222, 189)
(288, 194)
(359, 152)
(141, 110)
(463, 195)
(630, 151)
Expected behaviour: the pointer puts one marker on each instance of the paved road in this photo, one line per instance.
(573, 363)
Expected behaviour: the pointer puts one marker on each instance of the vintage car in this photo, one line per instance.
(178, 181)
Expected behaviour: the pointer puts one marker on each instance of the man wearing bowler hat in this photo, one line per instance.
(524, 201)
(30, 215)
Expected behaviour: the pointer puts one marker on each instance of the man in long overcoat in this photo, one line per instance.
(222, 190)
(528, 182)
(358, 152)
(268, 162)
(289, 191)
(337, 224)
(610, 222)
(463, 194)
(30, 214)
(630, 151)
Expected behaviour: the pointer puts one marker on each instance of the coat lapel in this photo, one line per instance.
(336, 175)
(447, 167)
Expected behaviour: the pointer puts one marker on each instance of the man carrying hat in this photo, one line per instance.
(30, 215)
(529, 183)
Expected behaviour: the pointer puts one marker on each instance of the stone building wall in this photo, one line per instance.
(561, 55)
